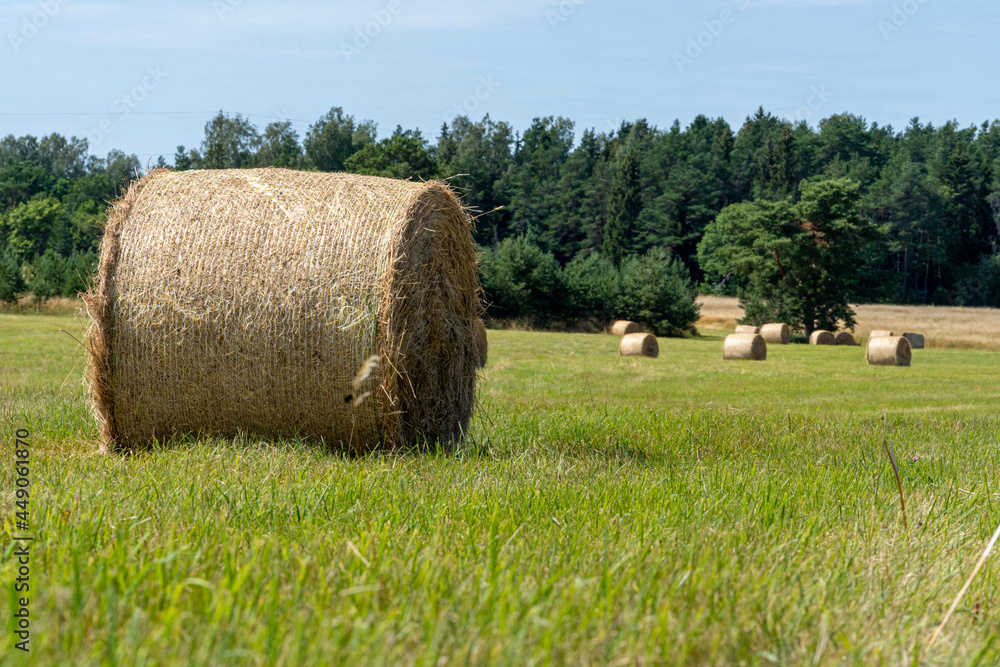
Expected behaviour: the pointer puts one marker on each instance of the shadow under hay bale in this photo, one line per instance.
(622, 327)
(916, 340)
(482, 343)
(746, 329)
(246, 301)
(776, 333)
(888, 351)
(744, 346)
(639, 345)
(822, 337)
(844, 338)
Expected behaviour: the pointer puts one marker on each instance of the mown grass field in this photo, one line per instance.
(679, 510)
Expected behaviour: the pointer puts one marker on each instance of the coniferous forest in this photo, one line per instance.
(599, 224)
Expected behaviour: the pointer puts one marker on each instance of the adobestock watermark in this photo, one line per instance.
(562, 12)
(123, 105)
(899, 17)
(487, 86)
(818, 97)
(34, 23)
(704, 39)
(364, 35)
(223, 7)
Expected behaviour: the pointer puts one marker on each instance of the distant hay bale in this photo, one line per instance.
(888, 351)
(844, 338)
(777, 334)
(744, 346)
(822, 337)
(482, 344)
(639, 345)
(746, 329)
(622, 327)
(246, 301)
(916, 340)
(879, 334)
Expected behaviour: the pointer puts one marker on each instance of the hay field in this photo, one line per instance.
(944, 326)
(680, 510)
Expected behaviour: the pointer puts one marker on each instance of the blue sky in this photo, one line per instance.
(145, 76)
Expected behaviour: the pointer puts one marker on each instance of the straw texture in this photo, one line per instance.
(879, 334)
(278, 303)
(482, 343)
(844, 338)
(916, 340)
(822, 337)
(622, 327)
(888, 351)
(639, 345)
(746, 329)
(744, 346)
(776, 333)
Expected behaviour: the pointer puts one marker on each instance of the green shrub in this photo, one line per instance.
(522, 281)
(11, 281)
(47, 276)
(656, 290)
(593, 287)
(77, 273)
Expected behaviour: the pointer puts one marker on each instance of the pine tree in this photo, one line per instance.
(624, 207)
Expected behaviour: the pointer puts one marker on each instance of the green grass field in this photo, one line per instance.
(679, 510)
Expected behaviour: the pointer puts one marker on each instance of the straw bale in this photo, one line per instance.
(844, 338)
(482, 344)
(916, 340)
(822, 337)
(879, 334)
(622, 327)
(744, 346)
(746, 329)
(776, 333)
(888, 351)
(246, 301)
(639, 345)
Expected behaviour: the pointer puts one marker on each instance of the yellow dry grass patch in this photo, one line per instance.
(943, 326)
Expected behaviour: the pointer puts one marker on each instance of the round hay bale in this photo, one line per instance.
(888, 351)
(776, 333)
(844, 338)
(622, 327)
(482, 344)
(822, 337)
(879, 334)
(282, 303)
(639, 345)
(746, 346)
(916, 340)
(746, 329)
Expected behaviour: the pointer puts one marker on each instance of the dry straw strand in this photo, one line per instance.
(623, 327)
(888, 351)
(776, 333)
(482, 343)
(234, 301)
(744, 346)
(639, 345)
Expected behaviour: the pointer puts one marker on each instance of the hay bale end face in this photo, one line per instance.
(776, 333)
(746, 329)
(639, 345)
(482, 343)
(622, 327)
(879, 334)
(822, 337)
(247, 301)
(888, 351)
(744, 346)
(916, 340)
(844, 338)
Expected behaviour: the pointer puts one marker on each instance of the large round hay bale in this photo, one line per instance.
(639, 345)
(916, 340)
(746, 329)
(622, 327)
(822, 337)
(279, 303)
(776, 333)
(844, 338)
(879, 333)
(482, 344)
(746, 346)
(888, 351)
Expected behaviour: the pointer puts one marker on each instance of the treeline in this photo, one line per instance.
(615, 197)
